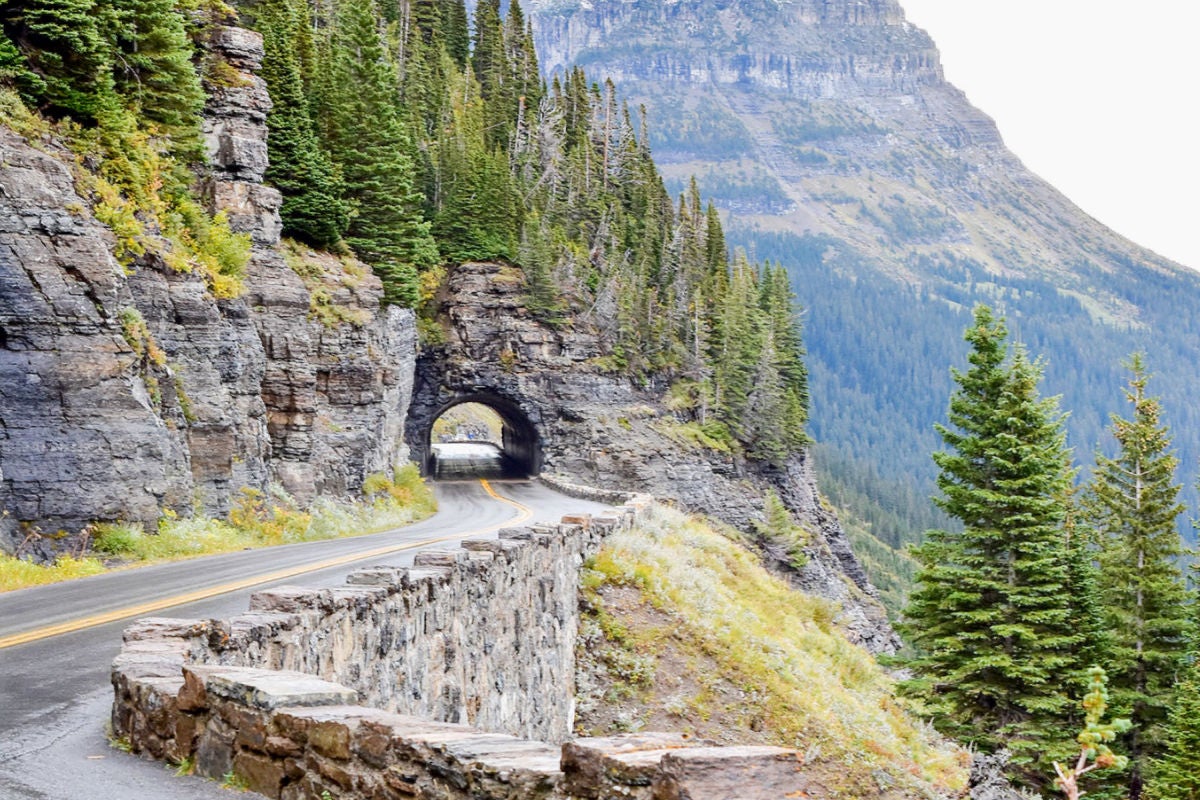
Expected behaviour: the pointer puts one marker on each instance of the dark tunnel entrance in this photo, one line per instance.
(481, 436)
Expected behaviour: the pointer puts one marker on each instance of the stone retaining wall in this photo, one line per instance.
(414, 682)
(581, 492)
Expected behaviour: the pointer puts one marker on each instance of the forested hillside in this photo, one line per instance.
(831, 143)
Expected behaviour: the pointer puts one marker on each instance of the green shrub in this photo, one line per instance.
(116, 538)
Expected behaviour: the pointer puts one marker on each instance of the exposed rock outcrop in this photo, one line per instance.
(607, 430)
(246, 392)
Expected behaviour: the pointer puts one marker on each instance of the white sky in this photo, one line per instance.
(1098, 97)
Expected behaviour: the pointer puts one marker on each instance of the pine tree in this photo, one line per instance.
(66, 46)
(153, 70)
(457, 31)
(1083, 586)
(1176, 776)
(989, 614)
(1132, 503)
(312, 209)
(15, 72)
(369, 142)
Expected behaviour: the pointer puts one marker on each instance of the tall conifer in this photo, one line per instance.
(370, 143)
(1132, 503)
(312, 209)
(989, 615)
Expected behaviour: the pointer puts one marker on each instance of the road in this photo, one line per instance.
(56, 642)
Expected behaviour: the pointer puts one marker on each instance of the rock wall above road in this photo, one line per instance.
(251, 391)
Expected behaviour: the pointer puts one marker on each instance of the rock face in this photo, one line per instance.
(247, 392)
(569, 417)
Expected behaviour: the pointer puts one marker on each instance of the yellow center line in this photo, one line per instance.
(151, 606)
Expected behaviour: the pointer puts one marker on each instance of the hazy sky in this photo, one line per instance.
(1098, 97)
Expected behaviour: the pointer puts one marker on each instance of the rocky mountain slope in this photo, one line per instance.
(129, 393)
(827, 133)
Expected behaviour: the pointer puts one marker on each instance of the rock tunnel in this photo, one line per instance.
(518, 449)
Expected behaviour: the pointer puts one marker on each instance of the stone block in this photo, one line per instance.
(441, 558)
(357, 596)
(271, 689)
(426, 578)
(335, 771)
(153, 628)
(289, 599)
(192, 695)
(732, 773)
(282, 746)
(584, 521)
(592, 767)
(387, 577)
(135, 665)
(519, 534)
(187, 731)
(331, 738)
(261, 773)
(214, 750)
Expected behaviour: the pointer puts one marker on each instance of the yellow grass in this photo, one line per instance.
(812, 688)
(18, 574)
(257, 520)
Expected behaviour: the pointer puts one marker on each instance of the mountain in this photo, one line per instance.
(828, 136)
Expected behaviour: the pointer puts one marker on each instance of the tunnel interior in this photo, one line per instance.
(481, 436)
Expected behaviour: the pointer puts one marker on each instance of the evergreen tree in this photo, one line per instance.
(1083, 586)
(457, 31)
(65, 45)
(989, 615)
(1132, 503)
(15, 72)
(1176, 776)
(153, 70)
(369, 142)
(312, 209)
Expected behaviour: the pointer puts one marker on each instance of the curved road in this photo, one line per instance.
(56, 642)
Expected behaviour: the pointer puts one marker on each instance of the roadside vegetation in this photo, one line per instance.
(258, 520)
(685, 630)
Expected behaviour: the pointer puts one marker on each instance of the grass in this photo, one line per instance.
(18, 574)
(798, 681)
(258, 520)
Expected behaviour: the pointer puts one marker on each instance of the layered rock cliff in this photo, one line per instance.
(604, 429)
(129, 393)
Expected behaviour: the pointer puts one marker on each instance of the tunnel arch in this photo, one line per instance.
(521, 444)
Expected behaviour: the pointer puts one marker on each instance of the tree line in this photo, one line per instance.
(417, 138)
(1045, 579)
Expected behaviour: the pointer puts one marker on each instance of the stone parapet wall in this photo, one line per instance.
(291, 736)
(466, 635)
(581, 492)
(454, 678)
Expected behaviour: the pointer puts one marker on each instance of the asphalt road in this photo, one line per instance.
(54, 678)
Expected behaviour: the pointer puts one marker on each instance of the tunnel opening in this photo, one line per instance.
(481, 437)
